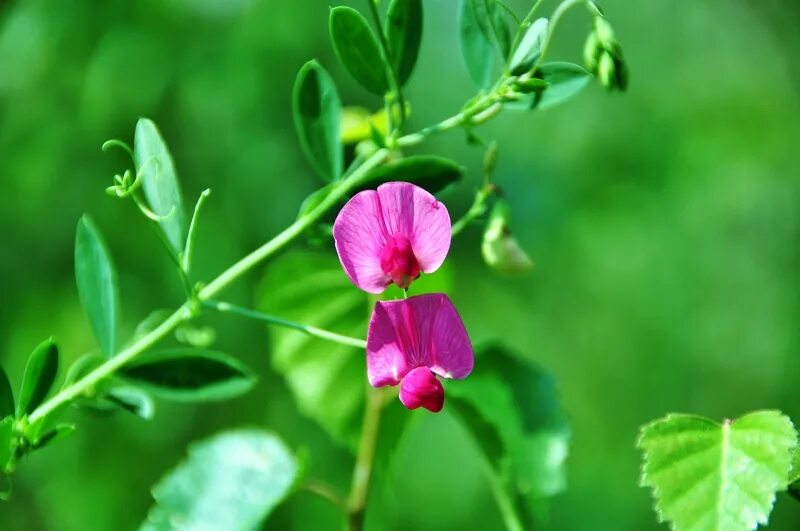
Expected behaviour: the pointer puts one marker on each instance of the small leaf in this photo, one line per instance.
(191, 375)
(59, 432)
(530, 47)
(232, 480)
(40, 374)
(485, 40)
(427, 171)
(317, 118)
(6, 395)
(313, 200)
(81, 367)
(358, 49)
(133, 400)
(404, 35)
(732, 470)
(564, 80)
(160, 182)
(6, 443)
(511, 409)
(97, 284)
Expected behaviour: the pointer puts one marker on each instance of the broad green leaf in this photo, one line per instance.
(189, 374)
(317, 118)
(485, 40)
(6, 395)
(97, 284)
(707, 475)
(6, 442)
(530, 47)
(511, 409)
(232, 481)
(327, 379)
(404, 35)
(358, 49)
(39, 377)
(160, 182)
(430, 172)
(59, 432)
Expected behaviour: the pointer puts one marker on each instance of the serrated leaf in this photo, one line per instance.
(160, 182)
(39, 377)
(511, 408)
(326, 379)
(358, 49)
(485, 40)
(404, 35)
(707, 475)
(189, 374)
(97, 284)
(6, 395)
(317, 113)
(530, 47)
(232, 481)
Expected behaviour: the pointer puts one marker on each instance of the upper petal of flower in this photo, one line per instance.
(416, 214)
(360, 239)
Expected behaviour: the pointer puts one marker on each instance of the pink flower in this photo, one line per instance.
(411, 341)
(390, 235)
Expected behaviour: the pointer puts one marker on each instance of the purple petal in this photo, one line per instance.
(414, 213)
(360, 238)
(422, 331)
(420, 388)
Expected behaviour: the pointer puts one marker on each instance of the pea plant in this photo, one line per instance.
(377, 269)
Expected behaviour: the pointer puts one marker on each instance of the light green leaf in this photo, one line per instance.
(327, 379)
(317, 118)
(430, 172)
(707, 475)
(6, 442)
(232, 481)
(530, 47)
(133, 400)
(511, 408)
(485, 40)
(59, 432)
(40, 374)
(358, 49)
(404, 35)
(97, 284)
(191, 375)
(564, 81)
(6, 395)
(160, 182)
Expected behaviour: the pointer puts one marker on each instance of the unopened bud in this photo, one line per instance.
(592, 51)
(490, 159)
(499, 248)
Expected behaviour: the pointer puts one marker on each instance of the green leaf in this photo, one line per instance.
(564, 81)
(6, 395)
(427, 171)
(706, 475)
(81, 367)
(59, 432)
(327, 379)
(132, 400)
(511, 409)
(97, 284)
(313, 200)
(485, 40)
(404, 35)
(358, 49)
(160, 182)
(232, 480)
(317, 118)
(40, 374)
(530, 47)
(6, 442)
(192, 375)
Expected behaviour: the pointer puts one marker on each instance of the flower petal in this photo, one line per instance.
(422, 331)
(416, 214)
(360, 238)
(421, 388)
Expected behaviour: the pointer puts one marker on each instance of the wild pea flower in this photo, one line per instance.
(412, 341)
(391, 235)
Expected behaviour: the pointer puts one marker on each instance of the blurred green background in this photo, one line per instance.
(663, 222)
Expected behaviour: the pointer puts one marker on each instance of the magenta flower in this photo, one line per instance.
(390, 235)
(411, 341)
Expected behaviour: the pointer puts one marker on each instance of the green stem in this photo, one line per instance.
(477, 209)
(559, 12)
(362, 472)
(225, 307)
(484, 108)
(504, 502)
(325, 491)
(526, 22)
(393, 81)
(188, 250)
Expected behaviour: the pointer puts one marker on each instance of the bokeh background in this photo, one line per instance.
(663, 222)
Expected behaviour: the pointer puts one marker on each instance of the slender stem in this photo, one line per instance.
(478, 207)
(393, 81)
(474, 114)
(323, 490)
(225, 307)
(523, 26)
(504, 502)
(189, 248)
(559, 12)
(362, 472)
